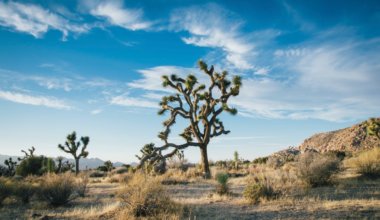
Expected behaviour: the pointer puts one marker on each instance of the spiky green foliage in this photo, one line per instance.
(222, 180)
(200, 106)
(373, 127)
(72, 146)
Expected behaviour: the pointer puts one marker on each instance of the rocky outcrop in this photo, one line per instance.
(353, 138)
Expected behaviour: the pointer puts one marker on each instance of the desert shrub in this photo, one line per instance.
(81, 185)
(222, 186)
(96, 174)
(145, 197)
(23, 190)
(5, 189)
(122, 170)
(4, 171)
(102, 168)
(316, 169)
(58, 189)
(339, 154)
(260, 160)
(275, 162)
(35, 165)
(258, 190)
(367, 163)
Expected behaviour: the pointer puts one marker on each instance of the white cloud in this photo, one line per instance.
(209, 26)
(127, 100)
(53, 83)
(334, 81)
(34, 100)
(151, 78)
(117, 14)
(35, 20)
(291, 52)
(96, 111)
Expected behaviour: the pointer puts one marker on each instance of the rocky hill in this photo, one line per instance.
(348, 139)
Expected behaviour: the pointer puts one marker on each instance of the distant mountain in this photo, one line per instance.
(85, 163)
(348, 139)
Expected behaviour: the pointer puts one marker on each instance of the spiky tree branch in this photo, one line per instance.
(200, 106)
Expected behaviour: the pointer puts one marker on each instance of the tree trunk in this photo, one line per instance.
(204, 161)
(76, 166)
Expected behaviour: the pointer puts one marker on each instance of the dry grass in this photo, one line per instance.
(366, 163)
(144, 196)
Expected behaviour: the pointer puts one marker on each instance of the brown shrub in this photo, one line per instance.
(316, 169)
(366, 163)
(58, 189)
(145, 197)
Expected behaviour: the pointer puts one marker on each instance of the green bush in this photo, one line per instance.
(222, 187)
(316, 169)
(35, 165)
(58, 189)
(255, 191)
(260, 160)
(98, 174)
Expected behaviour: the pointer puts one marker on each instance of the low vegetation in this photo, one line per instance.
(58, 190)
(144, 196)
(316, 169)
(366, 163)
(222, 183)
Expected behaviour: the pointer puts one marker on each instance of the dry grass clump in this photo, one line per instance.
(58, 189)
(145, 197)
(316, 169)
(24, 190)
(5, 189)
(266, 183)
(366, 163)
(81, 184)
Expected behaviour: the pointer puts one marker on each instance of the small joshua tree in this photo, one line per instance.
(72, 146)
(373, 127)
(108, 164)
(200, 107)
(11, 165)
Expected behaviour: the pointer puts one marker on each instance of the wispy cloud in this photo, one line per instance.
(151, 77)
(96, 111)
(127, 100)
(35, 20)
(333, 81)
(117, 14)
(209, 26)
(34, 100)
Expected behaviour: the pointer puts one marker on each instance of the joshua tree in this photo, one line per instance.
(200, 107)
(72, 146)
(11, 165)
(108, 164)
(373, 127)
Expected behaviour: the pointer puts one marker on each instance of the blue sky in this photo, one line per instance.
(95, 67)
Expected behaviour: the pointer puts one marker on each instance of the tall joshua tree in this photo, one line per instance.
(72, 147)
(200, 107)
